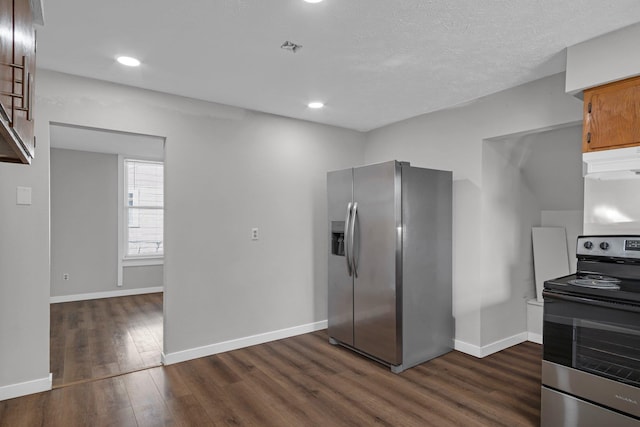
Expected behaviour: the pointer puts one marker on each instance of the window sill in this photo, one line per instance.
(142, 261)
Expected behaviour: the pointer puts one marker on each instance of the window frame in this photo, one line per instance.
(124, 259)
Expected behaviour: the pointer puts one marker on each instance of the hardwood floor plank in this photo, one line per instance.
(24, 411)
(251, 407)
(330, 405)
(142, 389)
(477, 377)
(375, 409)
(298, 381)
(169, 382)
(77, 359)
(296, 411)
(407, 397)
(518, 391)
(124, 417)
(209, 394)
(188, 412)
(289, 379)
(477, 400)
(111, 395)
(105, 337)
(239, 365)
(328, 366)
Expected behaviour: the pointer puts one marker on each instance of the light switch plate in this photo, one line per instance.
(23, 195)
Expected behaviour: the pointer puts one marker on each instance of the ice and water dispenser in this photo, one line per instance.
(337, 238)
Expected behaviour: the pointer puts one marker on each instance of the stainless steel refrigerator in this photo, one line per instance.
(390, 295)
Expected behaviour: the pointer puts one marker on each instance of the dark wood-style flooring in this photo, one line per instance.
(299, 381)
(105, 337)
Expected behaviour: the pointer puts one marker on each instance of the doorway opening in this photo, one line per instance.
(106, 253)
(530, 179)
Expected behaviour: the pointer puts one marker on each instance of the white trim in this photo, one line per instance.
(125, 260)
(467, 348)
(488, 349)
(27, 387)
(221, 347)
(126, 207)
(120, 219)
(533, 337)
(142, 261)
(106, 294)
(535, 302)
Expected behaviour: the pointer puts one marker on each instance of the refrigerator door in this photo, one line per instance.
(377, 258)
(340, 292)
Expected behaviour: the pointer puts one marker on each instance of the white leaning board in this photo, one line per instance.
(550, 255)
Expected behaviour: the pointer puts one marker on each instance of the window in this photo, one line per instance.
(144, 208)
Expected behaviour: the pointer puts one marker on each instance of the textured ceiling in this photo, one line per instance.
(373, 62)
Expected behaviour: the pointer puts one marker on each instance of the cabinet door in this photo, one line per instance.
(24, 53)
(612, 115)
(6, 57)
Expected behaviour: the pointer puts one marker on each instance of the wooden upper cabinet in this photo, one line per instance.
(6, 57)
(612, 116)
(17, 81)
(24, 47)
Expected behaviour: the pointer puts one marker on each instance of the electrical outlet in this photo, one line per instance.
(65, 276)
(254, 233)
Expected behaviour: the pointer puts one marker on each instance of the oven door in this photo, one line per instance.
(591, 350)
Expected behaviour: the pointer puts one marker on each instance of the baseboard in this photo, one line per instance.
(488, 349)
(221, 347)
(533, 337)
(106, 294)
(28, 387)
(467, 348)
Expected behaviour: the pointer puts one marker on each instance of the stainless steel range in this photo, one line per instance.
(591, 337)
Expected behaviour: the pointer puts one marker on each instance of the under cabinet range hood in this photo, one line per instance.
(612, 164)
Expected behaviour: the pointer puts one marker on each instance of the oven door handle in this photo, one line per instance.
(590, 301)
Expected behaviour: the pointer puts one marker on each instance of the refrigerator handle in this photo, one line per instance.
(346, 239)
(352, 232)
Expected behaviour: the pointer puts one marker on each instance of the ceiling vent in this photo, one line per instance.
(290, 46)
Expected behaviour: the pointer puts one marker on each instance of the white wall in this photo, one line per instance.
(571, 220)
(250, 171)
(611, 204)
(453, 139)
(24, 275)
(226, 170)
(84, 227)
(142, 276)
(84, 221)
(604, 59)
(509, 209)
(529, 180)
(552, 167)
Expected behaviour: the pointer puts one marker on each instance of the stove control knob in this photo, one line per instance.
(588, 245)
(604, 246)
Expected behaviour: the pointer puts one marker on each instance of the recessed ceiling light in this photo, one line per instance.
(313, 1)
(315, 105)
(128, 61)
